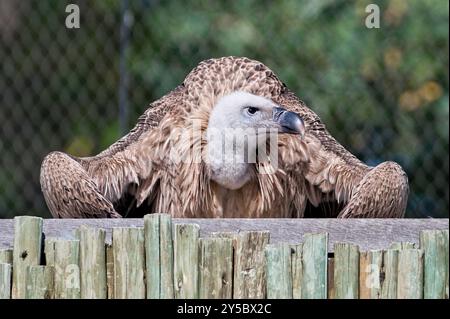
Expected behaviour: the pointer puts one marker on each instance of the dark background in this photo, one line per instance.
(383, 93)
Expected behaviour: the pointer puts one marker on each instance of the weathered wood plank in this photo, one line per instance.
(129, 263)
(315, 264)
(434, 243)
(152, 257)
(27, 250)
(6, 256)
(109, 271)
(216, 268)
(186, 251)
(249, 265)
(390, 271)
(67, 270)
(346, 271)
(369, 234)
(297, 270)
(278, 271)
(92, 262)
(159, 256)
(166, 256)
(49, 251)
(410, 274)
(370, 274)
(39, 282)
(5, 280)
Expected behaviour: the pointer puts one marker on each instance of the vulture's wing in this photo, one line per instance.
(70, 192)
(331, 173)
(147, 121)
(381, 193)
(133, 158)
(92, 186)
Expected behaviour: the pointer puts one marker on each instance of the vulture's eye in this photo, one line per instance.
(252, 110)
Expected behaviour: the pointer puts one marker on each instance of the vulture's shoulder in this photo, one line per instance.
(155, 112)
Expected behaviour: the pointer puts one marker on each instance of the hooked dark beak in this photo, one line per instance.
(289, 122)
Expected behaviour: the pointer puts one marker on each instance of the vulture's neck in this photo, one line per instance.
(229, 159)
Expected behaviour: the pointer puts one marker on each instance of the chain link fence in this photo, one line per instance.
(383, 93)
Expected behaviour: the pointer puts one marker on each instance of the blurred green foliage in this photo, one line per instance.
(383, 93)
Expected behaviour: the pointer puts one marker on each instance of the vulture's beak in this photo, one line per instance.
(289, 122)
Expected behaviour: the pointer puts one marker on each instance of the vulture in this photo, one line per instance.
(231, 141)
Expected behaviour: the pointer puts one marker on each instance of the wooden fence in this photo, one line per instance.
(157, 257)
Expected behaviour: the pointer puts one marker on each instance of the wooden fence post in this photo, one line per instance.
(370, 274)
(92, 262)
(410, 274)
(67, 270)
(186, 251)
(346, 271)
(129, 262)
(27, 250)
(6, 260)
(434, 243)
(109, 271)
(159, 256)
(39, 282)
(315, 264)
(6, 256)
(249, 280)
(5, 280)
(390, 270)
(216, 268)
(297, 270)
(279, 276)
(49, 251)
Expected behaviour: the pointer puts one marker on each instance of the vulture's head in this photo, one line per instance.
(239, 129)
(252, 113)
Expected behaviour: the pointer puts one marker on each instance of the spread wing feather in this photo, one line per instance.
(70, 192)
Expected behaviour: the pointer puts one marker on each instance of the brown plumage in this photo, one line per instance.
(136, 175)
